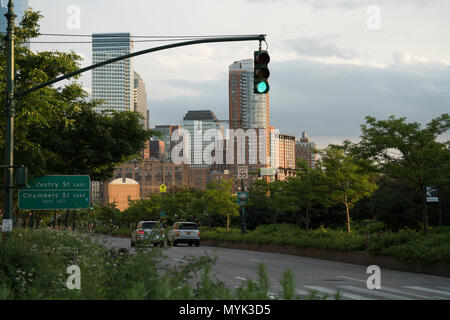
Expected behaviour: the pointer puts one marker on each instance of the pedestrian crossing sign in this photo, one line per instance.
(162, 188)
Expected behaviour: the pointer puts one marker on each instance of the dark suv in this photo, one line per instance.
(148, 231)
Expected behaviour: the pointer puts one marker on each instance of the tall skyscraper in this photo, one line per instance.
(305, 150)
(20, 6)
(246, 109)
(140, 99)
(113, 83)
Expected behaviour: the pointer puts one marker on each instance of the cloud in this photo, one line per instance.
(318, 47)
(354, 4)
(328, 101)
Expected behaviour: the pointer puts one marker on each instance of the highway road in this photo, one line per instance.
(323, 276)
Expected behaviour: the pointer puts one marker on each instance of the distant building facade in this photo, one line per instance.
(198, 123)
(150, 173)
(166, 132)
(140, 100)
(121, 191)
(305, 150)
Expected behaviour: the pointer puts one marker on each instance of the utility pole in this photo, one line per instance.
(10, 114)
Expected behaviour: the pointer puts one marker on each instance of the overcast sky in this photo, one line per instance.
(333, 61)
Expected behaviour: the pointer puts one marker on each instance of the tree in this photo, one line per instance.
(258, 204)
(348, 178)
(308, 188)
(408, 152)
(221, 201)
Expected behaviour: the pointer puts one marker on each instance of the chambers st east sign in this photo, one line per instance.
(56, 193)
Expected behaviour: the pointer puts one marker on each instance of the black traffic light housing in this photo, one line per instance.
(261, 72)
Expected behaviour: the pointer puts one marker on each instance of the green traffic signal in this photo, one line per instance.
(262, 87)
(261, 72)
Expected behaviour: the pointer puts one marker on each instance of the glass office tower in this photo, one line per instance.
(113, 83)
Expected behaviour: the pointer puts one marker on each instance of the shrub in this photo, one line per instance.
(33, 265)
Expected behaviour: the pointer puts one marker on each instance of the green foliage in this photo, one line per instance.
(406, 244)
(220, 200)
(348, 178)
(407, 152)
(33, 266)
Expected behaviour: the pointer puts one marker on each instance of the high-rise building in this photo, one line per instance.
(113, 83)
(197, 123)
(246, 109)
(166, 135)
(20, 6)
(305, 150)
(140, 99)
(157, 149)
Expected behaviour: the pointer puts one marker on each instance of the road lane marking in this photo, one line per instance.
(179, 260)
(412, 294)
(333, 292)
(348, 278)
(301, 292)
(374, 292)
(240, 278)
(428, 290)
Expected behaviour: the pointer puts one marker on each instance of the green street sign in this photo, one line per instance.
(56, 193)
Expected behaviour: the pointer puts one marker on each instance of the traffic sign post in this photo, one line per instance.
(56, 193)
(242, 198)
(242, 173)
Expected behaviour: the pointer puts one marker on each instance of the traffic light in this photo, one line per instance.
(261, 72)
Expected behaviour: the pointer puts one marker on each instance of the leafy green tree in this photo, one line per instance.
(142, 209)
(348, 178)
(410, 153)
(258, 205)
(308, 187)
(221, 201)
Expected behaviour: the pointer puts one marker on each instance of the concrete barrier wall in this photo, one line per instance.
(355, 257)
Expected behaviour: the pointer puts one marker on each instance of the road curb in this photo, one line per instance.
(354, 257)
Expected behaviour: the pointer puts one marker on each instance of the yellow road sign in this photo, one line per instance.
(162, 188)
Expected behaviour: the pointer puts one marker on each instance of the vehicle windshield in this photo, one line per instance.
(150, 225)
(188, 226)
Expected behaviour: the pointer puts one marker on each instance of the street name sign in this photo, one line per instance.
(56, 193)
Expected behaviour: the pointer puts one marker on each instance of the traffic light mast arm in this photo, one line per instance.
(260, 38)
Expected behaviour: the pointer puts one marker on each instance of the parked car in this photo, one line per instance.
(184, 232)
(148, 231)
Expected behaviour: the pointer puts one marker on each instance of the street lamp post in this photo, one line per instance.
(10, 114)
